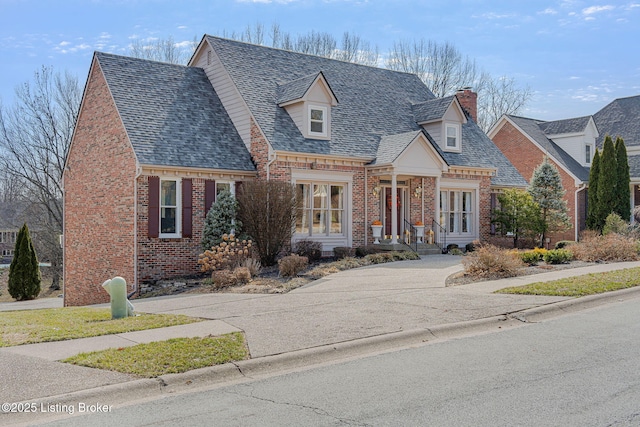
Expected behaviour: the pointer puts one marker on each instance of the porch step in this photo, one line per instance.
(423, 248)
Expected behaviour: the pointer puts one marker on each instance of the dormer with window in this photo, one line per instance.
(442, 118)
(308, 100)
(576, 136)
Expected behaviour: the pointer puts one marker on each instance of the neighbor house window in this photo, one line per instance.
(452, 137)
(587, 153)
(456, 211)
(169, 208)
(8, 237)
(7, 252)
(317, 121)
(323, 209)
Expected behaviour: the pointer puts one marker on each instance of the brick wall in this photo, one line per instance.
(98, 200)
(526, 156)
(161, 258)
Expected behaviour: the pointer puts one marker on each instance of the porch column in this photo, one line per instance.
(394, 209)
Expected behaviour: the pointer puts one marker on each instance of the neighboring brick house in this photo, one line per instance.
(154, 143)
(570, 145)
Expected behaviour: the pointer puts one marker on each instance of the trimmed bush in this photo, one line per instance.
(24, 271)
(242, 275)
(558, 256)
(312, 250)
(341, 252)
(452, 246)
(293, 264)
(530, 257)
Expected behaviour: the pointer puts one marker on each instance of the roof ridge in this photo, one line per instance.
(135, 58)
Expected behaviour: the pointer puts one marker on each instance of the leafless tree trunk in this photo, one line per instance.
(500, 96)
(35, 134)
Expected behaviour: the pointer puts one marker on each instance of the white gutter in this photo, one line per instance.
(581, 187)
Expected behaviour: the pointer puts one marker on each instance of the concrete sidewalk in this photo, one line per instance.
(374, 308)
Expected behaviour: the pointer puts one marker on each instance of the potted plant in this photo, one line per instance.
(419, 226)
(376, 227)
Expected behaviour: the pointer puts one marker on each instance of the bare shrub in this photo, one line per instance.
(293, 264)
(222, 279)
(267, 210)
(612, 247)
(489, 261)
(242, 275)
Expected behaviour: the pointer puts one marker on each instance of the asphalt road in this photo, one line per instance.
(575, 370)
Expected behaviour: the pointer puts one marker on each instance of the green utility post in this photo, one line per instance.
(117, 290)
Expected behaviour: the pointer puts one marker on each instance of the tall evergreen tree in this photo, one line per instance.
(24, 272)
(546, 190)
(607, 189)
(623, 197)
(592, 201)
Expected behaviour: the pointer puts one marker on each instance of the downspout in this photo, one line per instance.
(271, 157)
(581, 187)
(135, 231)
(422, 202)
(366, 210)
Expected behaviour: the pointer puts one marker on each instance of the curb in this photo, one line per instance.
(262, 367)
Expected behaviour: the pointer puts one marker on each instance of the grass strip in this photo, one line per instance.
(578, 286)
(167, 357)
(57, 324)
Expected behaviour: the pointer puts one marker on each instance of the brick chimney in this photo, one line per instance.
(468, 99)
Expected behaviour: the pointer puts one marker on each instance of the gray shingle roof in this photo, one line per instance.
(533, 129)
(295, 89)
(557, 127)
(373, 103)
(391, 146)
(172, 115)
(431, 110)
(620, 118)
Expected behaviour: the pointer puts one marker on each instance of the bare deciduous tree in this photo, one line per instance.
(35, 134)
(163, 50)
(444, 69)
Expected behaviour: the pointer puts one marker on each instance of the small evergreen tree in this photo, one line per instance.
(220, 220)
(607, 189)
(518, 214)
(24, 272)
(623, 205)
(592, 193)
(546, 190)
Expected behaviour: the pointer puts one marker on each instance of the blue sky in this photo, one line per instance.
(576, 56)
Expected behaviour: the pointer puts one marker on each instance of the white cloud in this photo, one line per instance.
(548, 11)
(597, 9)
(182, 44)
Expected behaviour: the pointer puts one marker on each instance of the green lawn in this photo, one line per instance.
(589, 284)
(33, 326)
(167, 357)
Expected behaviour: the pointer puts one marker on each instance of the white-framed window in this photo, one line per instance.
(318, 121)
(225, 185)
(170, 209)
(456, 211)
(587, 153)
(7, 252)
(8, 236)
(322, 211)
(452, 137)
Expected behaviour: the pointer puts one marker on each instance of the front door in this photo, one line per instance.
(387, 210)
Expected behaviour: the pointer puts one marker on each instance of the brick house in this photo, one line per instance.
(155, 142)
(570, 145)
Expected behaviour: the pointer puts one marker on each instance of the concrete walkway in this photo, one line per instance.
(375, 308)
